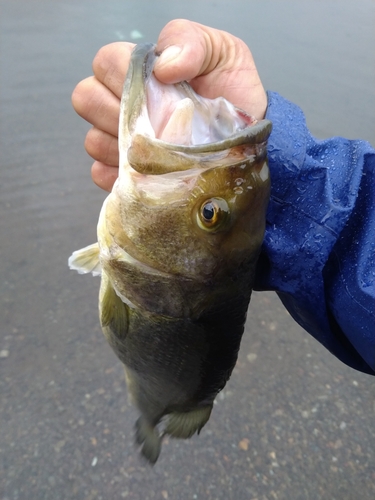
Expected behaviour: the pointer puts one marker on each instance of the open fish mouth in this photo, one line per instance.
(160, 122)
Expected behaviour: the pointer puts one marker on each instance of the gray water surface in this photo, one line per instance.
(293, 422)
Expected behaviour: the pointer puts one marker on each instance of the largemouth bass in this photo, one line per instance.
(178, 241)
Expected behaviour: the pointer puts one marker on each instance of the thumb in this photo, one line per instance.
(215, 63)
(186, 51)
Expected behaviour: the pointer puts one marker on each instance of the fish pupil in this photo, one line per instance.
(208, 211)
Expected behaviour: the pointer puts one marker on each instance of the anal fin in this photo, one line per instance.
(184, 424)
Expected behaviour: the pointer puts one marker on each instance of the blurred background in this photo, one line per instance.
(293, 422)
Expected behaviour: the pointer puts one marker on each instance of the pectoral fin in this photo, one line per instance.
(86, 260)
(113, 312)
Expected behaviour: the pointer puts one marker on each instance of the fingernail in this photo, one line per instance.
(170, 53)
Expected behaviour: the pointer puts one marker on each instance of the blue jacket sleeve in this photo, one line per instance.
(319, 247)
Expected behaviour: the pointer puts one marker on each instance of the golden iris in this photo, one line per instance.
(212, 214)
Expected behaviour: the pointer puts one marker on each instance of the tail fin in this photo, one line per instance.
(148, 436)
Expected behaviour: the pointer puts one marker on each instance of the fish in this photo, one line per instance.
(178, 241)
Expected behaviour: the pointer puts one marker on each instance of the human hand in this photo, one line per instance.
(214, 62)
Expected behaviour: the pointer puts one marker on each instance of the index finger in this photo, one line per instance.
(110, 65)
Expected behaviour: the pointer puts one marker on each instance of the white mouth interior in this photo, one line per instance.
(177, 115)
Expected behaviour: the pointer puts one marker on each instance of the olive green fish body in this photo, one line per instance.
(178, 241)
(176, 366)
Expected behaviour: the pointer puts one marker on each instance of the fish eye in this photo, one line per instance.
(212, 214)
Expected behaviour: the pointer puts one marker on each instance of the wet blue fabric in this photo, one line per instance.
(319, 248)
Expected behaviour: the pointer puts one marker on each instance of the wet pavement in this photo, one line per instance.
(293, 422)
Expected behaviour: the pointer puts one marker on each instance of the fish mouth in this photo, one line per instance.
(172, 125)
